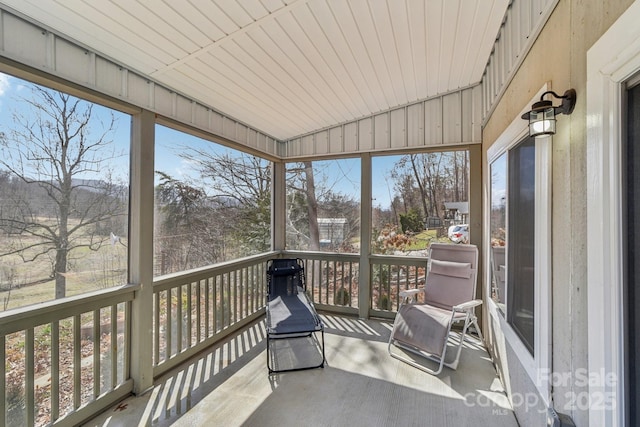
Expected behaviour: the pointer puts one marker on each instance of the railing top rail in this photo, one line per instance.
(168, 280)
(374, 259)
(323, 256)
(39, 314)
(399, 259)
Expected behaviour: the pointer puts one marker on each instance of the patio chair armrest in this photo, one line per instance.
(465, 306)
(409, 294)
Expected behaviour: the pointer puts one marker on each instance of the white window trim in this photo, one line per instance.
(537, 365)
(613, 59)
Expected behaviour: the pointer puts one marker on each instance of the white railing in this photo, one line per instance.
(65, 360)
(194, 309)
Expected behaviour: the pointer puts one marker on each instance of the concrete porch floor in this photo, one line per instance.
(361, 385)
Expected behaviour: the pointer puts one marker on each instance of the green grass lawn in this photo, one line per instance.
(422, 240)
(31, 282)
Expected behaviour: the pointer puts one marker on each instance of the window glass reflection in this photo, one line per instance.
(498, 226)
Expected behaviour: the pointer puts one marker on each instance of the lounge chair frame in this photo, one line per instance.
(290, 312)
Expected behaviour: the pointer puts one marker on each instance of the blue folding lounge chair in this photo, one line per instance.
(290, 312)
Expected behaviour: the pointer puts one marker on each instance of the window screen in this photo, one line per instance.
(521, 233)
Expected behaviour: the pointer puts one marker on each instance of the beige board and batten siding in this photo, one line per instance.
(38, 54)
(451, 119)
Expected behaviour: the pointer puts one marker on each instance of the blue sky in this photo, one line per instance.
(342, 176)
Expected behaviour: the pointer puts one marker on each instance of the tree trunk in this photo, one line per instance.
(312, 207)
(60, 272)
(62, 244)
(423, 194)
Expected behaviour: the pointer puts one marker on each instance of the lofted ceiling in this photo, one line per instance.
(288, 67)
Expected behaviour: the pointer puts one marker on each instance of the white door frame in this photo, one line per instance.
(610, 62)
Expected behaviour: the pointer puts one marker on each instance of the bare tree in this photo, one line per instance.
(437, 177)
(240, 186)
(312, 207)
(53, 150)
(302, 181)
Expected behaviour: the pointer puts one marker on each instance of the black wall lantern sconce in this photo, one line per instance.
(542, 117)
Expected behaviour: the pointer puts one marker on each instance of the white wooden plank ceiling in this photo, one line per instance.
(288, 67)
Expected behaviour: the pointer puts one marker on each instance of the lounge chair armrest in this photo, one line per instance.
(467, 305)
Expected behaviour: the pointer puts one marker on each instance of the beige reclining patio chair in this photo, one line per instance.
(425, 328)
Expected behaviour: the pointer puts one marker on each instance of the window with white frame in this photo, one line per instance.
(513, 202)
(518, 218)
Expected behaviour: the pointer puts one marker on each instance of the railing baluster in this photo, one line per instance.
(316, 279)
(229, 300)
(223, 303)
(3, 381)
(157, 296)
(77, 362)
(260, 285)
(246, 284)
(328, 277)
(309, 272)
(351, 273)
(126, 365)
(96, 353)
(215, 303)
(232, 302)
(224, 295)
(254, 288)
(30, 401)
(321, 280)
(189, 317)
(249, 283)
(340, 280)
(240, 287)
(207, 303)
(55, 370)
(169, 326)
(198, 311)
(114, 346)
(179, 319)
(235, 296)
(394, 293)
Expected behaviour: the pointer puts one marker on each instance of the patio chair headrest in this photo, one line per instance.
(451, 268)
